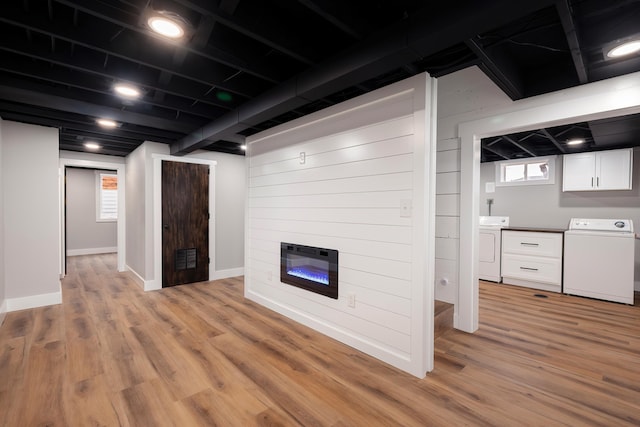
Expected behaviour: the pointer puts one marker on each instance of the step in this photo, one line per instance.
(443, 318)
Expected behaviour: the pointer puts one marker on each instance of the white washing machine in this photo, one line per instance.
(599, 259)
(489, 247)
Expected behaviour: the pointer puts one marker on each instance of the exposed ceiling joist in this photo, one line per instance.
(279, 42)
(332, 16)
(246, 66)
(131, 23)
(499, 70)
(391, 49)
(520, 146)
(571, 32)
(496, 152)
(42, 99)
(553, 140)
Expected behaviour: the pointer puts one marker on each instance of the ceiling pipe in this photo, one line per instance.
(402, 43)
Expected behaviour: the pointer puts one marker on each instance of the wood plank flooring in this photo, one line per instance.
(202, 355)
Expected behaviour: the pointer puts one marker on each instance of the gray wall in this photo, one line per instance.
(135, 212)
(30, 165)
(84, 233)
(230, 199)
(2, 283)
(549, 206)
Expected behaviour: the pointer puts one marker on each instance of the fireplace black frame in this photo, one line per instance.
(330, 256)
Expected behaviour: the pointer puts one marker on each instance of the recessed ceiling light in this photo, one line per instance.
(243, 147)
(92, 145)
(575, 141)
(107, 123)
(167, 24)
(624, 49)
(127, 90)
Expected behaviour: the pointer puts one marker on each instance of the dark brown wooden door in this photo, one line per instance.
(185, 223)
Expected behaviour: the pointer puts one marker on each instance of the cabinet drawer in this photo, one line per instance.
(532, 243)
(543, 270)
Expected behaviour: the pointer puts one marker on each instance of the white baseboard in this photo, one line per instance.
(3, 311)
(387, 355)
(146, 285)
(15, 304)
(153, 285)
(231, 272)
(91, 251)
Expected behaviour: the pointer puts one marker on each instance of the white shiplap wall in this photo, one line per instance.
(462, 96)
(447, 219)
(363, 159)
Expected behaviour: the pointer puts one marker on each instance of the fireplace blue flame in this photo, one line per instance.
(310, 273)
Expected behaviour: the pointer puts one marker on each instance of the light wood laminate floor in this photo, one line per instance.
(202, 355)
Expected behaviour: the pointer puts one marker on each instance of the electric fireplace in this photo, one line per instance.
(310, 268)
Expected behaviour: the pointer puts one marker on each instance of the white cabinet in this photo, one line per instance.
(599, 170)
(532, 259)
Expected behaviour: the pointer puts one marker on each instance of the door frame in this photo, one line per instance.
(121, 223)
(156, 282)
(603, 99)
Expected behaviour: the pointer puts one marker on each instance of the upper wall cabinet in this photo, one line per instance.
(599, 170)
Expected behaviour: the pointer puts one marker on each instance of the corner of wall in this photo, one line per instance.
(34, 301)
(225, 274)
(3, 311)
(3, 301)
(146, 285)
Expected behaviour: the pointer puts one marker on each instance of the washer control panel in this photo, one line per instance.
(613, 225)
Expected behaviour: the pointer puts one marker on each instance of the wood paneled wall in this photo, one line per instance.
(447, 219)
(362, 161)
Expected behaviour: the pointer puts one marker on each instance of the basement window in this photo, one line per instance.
(106, 197)
(531, 171)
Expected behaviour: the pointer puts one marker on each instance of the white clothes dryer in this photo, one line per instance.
(490, 228)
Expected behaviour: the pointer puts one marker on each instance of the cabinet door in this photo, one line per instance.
(613, 170)
(578, 172)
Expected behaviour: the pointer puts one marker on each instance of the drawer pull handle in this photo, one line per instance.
(528, 269)
(529, 244)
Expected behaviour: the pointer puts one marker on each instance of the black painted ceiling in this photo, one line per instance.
(247, 65)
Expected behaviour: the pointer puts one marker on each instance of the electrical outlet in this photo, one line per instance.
(351, 300)
(303, 157)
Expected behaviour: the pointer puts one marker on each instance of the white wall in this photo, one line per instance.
(135, 211)
(31, 215)
(3, 302)
(549, 206)
(139, 184)
(462, 96)
(364, 158)
(84, 234)
(230, 189)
